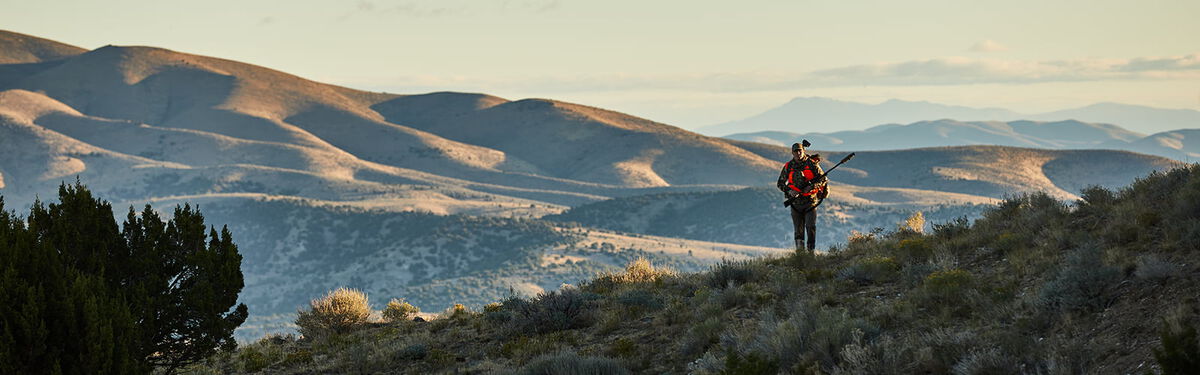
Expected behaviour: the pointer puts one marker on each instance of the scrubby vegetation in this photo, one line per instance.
(1107, 284)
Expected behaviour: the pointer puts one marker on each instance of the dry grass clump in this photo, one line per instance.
(638, 271)
(569, 363)
(399, 310)
(339, 311)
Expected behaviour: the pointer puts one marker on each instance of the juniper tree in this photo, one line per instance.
(77, 295)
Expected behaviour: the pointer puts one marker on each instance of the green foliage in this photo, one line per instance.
(702, 335)
(640, 300)
(1180, 351)
(870, 270)
(1151, 267)
(815, 335)
(731, 272)
(84, 296)
(948, 287)
(414, 352)
(252, 360)
(552, 311)
(568, 363)
(623, 347)
(985, 362)
(1081, 284)
(339, 311)
(749, 364)
(952, 228)
(915, 249)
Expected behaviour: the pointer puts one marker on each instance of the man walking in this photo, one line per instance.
(801, 181)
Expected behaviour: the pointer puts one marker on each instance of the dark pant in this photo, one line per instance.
(804, 219)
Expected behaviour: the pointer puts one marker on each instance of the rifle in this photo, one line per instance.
(790, 201)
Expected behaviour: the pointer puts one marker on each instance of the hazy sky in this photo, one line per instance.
(686, 63)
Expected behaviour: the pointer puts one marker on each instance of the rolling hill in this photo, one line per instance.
(1180, 144)
(436, 197)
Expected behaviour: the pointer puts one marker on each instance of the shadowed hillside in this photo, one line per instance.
(580, 142)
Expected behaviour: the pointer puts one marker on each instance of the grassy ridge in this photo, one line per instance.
(751, 216)
(1034, 286)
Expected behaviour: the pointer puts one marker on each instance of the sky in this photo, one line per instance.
(685, 63)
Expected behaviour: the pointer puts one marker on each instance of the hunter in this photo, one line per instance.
(803, 183)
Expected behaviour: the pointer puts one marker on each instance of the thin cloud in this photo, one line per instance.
(1189, 62)
(445, 8)
(961, 71)
(536, 6)
(947, 71)
(988, 46)
(414, 9)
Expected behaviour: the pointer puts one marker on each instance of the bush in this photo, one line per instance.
(1180, 352)
(638, 271)
(399, 310)
(940, 349)
(700, 336)
(952, 228)
(987, 361)
(880, 356)
(1150, 267)
(457, 311)
(1081, 284)
(914, 223)
(749, 364)
(947, 286)
(552, 311)
(807, 337)
(568, 363)
(414, 352)
(252, 360)
(340, 311)
(729, 272)
(640, 300)
(871, 269)
(916, 249)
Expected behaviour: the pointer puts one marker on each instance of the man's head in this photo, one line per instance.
(798, 149)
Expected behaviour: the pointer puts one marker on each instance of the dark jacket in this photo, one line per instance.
(799, 175)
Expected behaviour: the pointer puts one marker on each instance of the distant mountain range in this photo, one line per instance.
(824, 115)
(1183, 145)
(438, 195)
